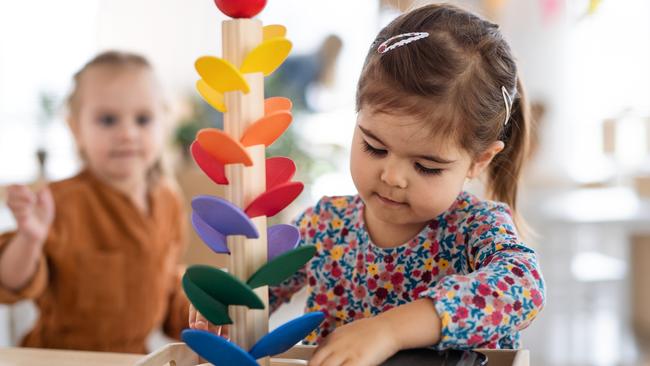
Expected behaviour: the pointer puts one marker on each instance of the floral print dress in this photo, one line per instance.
(485, 283)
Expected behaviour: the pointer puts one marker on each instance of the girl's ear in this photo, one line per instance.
(483, 160)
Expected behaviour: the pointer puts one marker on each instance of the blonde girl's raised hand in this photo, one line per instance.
(33, 212)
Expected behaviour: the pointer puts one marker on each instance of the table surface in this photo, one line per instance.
(47, 357)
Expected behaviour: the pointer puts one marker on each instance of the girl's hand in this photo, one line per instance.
(33, 212)
(364, 342)
(197, 321)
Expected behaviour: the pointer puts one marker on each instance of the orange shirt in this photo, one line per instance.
(109, 274)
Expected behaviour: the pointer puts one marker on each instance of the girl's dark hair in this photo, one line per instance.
(453, 80)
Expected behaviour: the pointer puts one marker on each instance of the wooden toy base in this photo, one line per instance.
(178, 354)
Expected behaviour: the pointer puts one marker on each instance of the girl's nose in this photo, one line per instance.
(393, 175)
(128, 130)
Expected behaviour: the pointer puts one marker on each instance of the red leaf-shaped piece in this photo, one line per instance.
(279, 170)
(274, 200)
(209, 165)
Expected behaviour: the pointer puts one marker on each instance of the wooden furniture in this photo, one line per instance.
(298, 355)
(182, 356)
(46, 357)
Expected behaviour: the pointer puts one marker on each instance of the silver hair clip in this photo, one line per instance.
(508, 102)
(408, 38)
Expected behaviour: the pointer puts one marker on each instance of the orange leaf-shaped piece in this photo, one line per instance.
(275, 104)
(223, 147)
(267, 129)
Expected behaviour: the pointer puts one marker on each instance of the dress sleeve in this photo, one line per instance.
(178, 305)
(178, 309)
(503, 293)
(307, 223)
(34, 287)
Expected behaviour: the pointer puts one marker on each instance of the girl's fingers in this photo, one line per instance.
(15, 191)
(20, 210)
(198, 321)
(18, 196)
(21, 218)
(18, 202)
(201, 322)
(192, 317)
(225, 331)
(45, 199)
(320, 355)
(215, 329)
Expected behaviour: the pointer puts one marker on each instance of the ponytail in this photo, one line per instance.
(505, 169)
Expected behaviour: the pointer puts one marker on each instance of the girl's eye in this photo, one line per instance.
(108, 120)
(373, 151)
(143, 120)
(427, 171)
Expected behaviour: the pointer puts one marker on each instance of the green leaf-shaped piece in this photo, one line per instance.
(223, 287)
(282, 267)
(213, 310)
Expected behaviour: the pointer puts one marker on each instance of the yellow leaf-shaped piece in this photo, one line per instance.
(273, 31)
(267, 129)
(267, 57)
(222, 147)
(221, 75)
(211, 96)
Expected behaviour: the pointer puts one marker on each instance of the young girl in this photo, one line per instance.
(413, 260)
(98, 252)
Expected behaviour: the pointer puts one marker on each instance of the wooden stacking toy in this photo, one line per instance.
(256, 188)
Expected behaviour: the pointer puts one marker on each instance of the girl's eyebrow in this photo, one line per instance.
(434, 158)
(371, 135)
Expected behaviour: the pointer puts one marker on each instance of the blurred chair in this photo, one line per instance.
(639, 241)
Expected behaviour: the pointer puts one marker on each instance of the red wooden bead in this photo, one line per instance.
(240, 8)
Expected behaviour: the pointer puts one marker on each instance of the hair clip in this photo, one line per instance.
(508, 102)
(409, 37)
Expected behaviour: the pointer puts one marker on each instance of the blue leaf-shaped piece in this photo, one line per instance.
(286, 335)
(215, 349)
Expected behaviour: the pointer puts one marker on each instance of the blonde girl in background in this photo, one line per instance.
(98, 252)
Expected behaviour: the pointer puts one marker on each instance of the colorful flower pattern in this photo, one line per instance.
(485, 283)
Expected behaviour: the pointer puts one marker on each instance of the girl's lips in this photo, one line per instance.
(389, 202)
(125, 154)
